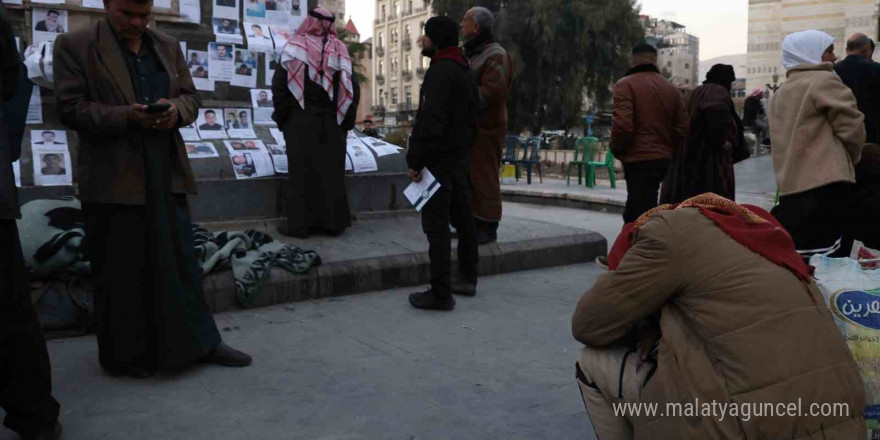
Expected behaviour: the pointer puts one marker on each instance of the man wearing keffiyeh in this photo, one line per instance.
(316, 102)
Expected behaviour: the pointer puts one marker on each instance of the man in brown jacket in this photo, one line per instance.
(742, 325)
(649, 121)
(495, 72)
(125, 90)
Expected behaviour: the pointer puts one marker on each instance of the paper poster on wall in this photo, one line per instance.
(210, 123)
(271, 64)
(227, 31)
(16, 171)
(361, 157)
(35, 108)
(239, 123)
(245, 74)
(278, 135)
(259, 37)
(191, 10)
(51, 158)
(183, 48)
(48, 24)
(94, 4)
(222, 66)
(381, 148)
(199, 69)
(280, 35)
(278, 12)
(279, 157)
(226, 9)
(250, 164)
(241, 145)
(162, 4)
(261, 99)
(297, 14)
(201, 150)
(348, 166)
(189, 133)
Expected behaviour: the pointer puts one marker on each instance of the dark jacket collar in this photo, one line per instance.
(454, 53)
(642, 68)
(110, 49)
(478, 44)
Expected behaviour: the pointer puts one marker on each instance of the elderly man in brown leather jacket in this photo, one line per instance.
(743, 326)
(649, 122)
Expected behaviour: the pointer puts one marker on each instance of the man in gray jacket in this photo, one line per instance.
(25, 375)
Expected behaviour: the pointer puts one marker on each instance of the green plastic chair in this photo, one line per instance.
(583, 155)
(608, 164)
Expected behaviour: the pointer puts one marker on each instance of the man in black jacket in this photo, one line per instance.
(25, 376)
(445, 129)
(862, 75)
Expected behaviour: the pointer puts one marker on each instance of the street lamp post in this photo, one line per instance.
(776, 86)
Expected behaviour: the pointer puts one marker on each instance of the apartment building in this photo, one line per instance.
(678, 51)
(337, 7)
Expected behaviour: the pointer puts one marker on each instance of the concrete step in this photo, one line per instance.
(391, 251)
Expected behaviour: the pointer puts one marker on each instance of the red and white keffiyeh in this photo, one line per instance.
(307, 47)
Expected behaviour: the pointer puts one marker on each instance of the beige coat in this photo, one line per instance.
(736, 328)
(816, 129)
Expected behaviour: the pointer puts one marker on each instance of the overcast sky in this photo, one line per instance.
(722, 26)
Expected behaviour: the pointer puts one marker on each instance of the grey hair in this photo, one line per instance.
(484, 18)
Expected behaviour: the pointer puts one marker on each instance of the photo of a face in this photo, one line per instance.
(264, 100)
(244, 165)
(197, 150)
(53, 164)
(255, 8)
(198, 64)
(210, 118)
(257, 32)
(51, 22)
(48, 137)
(237, 146)
(276, 150)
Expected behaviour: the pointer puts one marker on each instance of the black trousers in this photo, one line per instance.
(25, 375)
(817, 218)
(642, 186)
(450, 205)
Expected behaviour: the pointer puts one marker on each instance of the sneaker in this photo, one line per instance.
(228, 357)
(602, 262)
(428, 301)
(464, 288)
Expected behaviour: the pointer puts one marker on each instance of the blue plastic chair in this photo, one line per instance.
(532, 158)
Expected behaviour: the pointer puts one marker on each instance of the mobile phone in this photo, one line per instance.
(157, 107)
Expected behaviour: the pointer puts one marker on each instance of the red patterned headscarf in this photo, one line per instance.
(748, 225)
(315, 44)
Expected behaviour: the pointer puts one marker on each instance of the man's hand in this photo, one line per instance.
(166, 120)
(415, 176)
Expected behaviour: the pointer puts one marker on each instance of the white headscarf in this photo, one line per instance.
(805, 47)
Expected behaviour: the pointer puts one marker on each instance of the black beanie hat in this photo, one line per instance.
(722, 74)
(443, 32)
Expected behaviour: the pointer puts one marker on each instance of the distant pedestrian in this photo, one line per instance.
(445, 130)
(25, 373)
(862, 75)
(818, 134)
(649, 121)
(755, 117)
(315, 105)
(134, 175)
(369, 130)
(704, 163)
(495, 71)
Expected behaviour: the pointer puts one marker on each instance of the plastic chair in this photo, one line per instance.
(583, 149)
(512, 145)
(532, 158)
(608, 164)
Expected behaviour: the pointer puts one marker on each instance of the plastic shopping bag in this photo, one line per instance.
(852, 292)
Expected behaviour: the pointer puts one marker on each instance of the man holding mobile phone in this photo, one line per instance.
(149, 304)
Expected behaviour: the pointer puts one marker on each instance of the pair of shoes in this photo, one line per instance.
(464, 288)
(228, 357)
(48, 433)
(428, 301)
(602, 262)
(293, 232)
